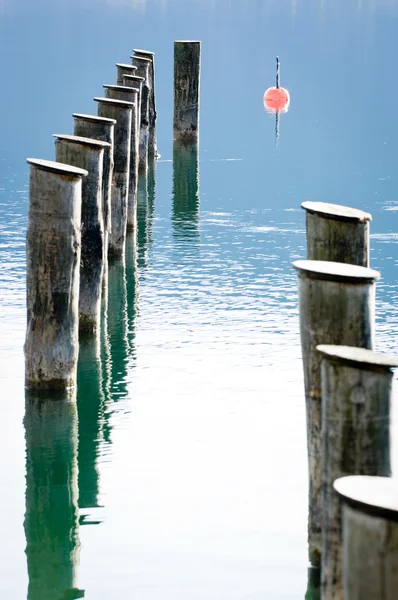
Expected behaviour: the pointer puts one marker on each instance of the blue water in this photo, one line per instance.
(182, 471)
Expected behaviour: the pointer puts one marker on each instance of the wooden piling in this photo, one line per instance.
(88, 154)
(336, 304)
(143, 70)
(356, 400)
(130, 94)
(337, 233)
(53, 247)
(152, 143)
(99, 128)
(370, 537)
(124, 69)
(121, 111)
(186, 89)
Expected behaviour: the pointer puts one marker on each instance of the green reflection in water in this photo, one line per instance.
(314, 584)
(185, 212)
(51, 518)
(145, 210)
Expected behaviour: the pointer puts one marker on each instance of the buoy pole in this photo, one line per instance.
(278, 83)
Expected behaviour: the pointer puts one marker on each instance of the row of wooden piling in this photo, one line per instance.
(83, 205)
(348, 390)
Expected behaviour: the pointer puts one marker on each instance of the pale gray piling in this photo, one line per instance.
(337, 233)
(337, 306)
(101, 129)
(121, 111)
(143, 70)
(124, 69)
(130, 94)
(186, 90)
(356, 400)
(53, 247)
(370, 537)
(88, 154)
(152, 142)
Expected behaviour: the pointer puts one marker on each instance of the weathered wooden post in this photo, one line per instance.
(129, 94)
(337, 233)
(186, 90)
(370, 537)
(124, 69)
(121, 111)
(101, 129)
(152, 143)
(88, 154)
(53, 246)
(52, 516)
(356, 399)
(336, 303)
(143, 70)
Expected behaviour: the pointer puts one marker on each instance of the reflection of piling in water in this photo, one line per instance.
(336, 304)
(51, 518)
(185, 215)
(186, 90)
(152, 144)
(117, 329)
(99, 128)
(337, 233)
(88, 154)
(356, 399)
(53, 246)
(121, 111)
(145, 210)
(132, 290)
(370, 537)
(90, 406)
(313, 585)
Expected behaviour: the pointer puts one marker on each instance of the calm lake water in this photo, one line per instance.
(181, 471)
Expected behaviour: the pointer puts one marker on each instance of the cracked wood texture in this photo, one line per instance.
(186, 90)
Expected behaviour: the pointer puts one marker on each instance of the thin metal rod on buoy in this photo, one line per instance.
(152, 142)
(121, 111)
(99, 128)
(337, 233)
(143, 66)
(186, 90)
(129, 94)
(53, 247)
(278, 85)
(370, 537)
(337, 306)
(356, 400)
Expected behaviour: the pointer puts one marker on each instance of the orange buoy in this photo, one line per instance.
(276, 100)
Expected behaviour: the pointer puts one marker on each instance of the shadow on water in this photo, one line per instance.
(51, 519)
(145, 211)
(185, 212)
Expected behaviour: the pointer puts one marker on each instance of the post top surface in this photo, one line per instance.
(94, 119)
(146, 52)
(142, 58)
(112, 102)
(134, 77)
(378, 495)
(358, 356)
(337, 212)
(84, 141)
(187, 42)
(334, 271)
(126, 66)
(56, 167)
(121, 88)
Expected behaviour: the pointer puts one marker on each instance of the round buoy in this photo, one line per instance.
(276, 100)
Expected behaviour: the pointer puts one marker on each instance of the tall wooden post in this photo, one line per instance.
(88, 154)
(53, 246)
(124, 69)
(356, 400)
(337, 233)
(121, 111)
(143, 70)
(336, 303)
(99, 128)
(186, 90)
(130, 94)
(152, 143)
(370, 537)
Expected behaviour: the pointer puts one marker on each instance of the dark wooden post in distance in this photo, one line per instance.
(356, 400)
(152, 143)
(88, 154)
(370, 537)
(99, 128)
(53, 245)
(121, 111)
(186, 90)
(337, 306)
(337, 233)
